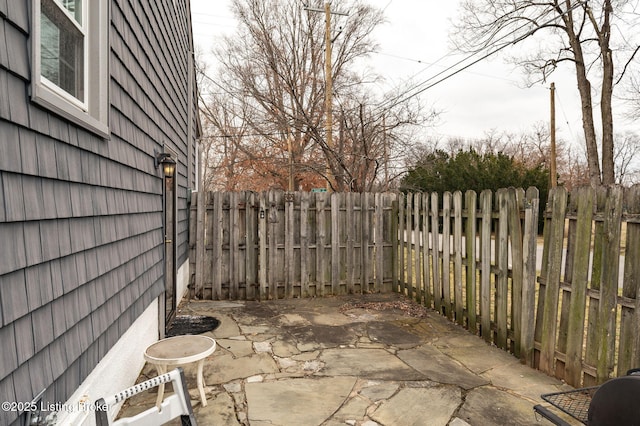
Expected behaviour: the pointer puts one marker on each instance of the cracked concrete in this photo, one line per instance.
(309, 362)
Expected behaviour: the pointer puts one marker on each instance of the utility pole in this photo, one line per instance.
(328, 99)
(289, 140)
(552, 167)
(386, 154)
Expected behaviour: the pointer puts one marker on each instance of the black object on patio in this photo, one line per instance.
(191, 324)
(613, 403)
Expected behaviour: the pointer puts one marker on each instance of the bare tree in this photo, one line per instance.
(558, 31)
(627, 158)
(271, 102)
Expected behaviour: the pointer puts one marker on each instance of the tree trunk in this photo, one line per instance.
(586, 104)
(608, 168)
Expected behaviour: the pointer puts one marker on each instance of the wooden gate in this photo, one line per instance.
(274, 244)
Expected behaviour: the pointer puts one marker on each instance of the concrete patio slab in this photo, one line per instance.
(438, 403)
(436, 366)
(359, 360)
(377, 364)
(492, 406)
(225, 368)
(316, 400)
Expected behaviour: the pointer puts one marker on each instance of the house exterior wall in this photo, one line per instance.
(81, 222)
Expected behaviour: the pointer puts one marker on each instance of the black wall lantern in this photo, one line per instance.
(168, 163)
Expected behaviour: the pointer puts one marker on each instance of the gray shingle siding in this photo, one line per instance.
(10, 158)
(8, 352)
(81, 217)
(13, 197)
(3, 216)
(18, 53)
(7, 390)
(14, 255)
(4, 88)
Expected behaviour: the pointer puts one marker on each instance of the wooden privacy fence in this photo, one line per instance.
(473, 259)
(575, 315)
(273, 245)
(588, 316)
(563, 303)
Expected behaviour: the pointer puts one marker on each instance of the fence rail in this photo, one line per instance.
(561, 304)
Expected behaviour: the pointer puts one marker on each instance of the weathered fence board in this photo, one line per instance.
(457, 257)
(514, 206)
(609, 290)
(558, 202)
(435, 253)
(591, 348)
(427, 294)
(485, 262)
(502, 279)
(529, 251)
(582, 206)
(445, 266)
(629, 350)
(470, 273)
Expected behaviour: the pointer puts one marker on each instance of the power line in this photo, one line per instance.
(424, 85)
(434, 64)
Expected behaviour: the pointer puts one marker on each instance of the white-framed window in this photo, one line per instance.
(70, 70)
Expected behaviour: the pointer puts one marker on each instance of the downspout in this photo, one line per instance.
(190, 97)
(190, 143)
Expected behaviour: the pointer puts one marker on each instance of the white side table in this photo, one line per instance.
(180, 350)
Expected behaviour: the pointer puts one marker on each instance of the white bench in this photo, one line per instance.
(176, 405)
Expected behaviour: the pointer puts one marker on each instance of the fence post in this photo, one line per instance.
(529, 253)
(558, 198)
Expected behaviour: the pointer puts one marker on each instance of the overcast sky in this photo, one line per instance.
(414, 42)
